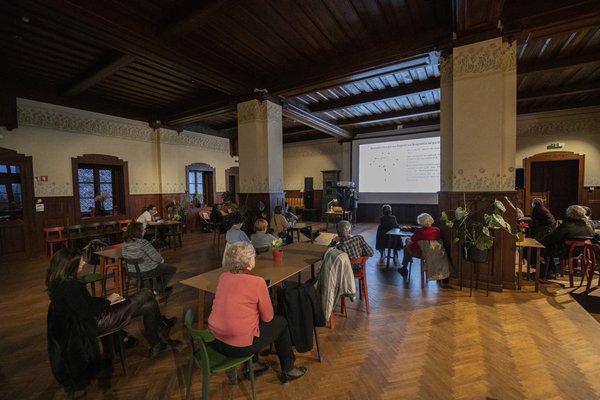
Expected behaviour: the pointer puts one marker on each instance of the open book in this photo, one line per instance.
(118, 298)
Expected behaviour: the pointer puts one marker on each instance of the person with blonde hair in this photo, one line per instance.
(261, 239)
(424, 232)
(242, 317)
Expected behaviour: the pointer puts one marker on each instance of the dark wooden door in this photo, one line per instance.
(560, 179)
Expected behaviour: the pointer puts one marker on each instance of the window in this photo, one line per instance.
(195, 183)
(100, 185)
(96, 189)
(200, 180)
(11, 192)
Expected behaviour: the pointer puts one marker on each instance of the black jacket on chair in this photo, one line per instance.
(301, 306)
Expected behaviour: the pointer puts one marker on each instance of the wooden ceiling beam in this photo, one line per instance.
(559, 64)
(428, 123)
(309, 119)
(187, 20)
(377, 95)
(580, 88)
(96, 22)
(99, 74)
(413, 52)
(522, 109)
(390, 115)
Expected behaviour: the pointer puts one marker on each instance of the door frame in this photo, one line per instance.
(548, 157)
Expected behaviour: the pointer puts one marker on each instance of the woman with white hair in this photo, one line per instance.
(424, 232)
(242, 317)
(574, 226)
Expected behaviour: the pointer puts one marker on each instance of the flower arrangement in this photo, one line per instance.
(277, 244)
(521, 227)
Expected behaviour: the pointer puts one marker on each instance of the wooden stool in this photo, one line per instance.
(55, 236)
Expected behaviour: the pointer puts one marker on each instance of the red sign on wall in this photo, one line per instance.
(42, 178)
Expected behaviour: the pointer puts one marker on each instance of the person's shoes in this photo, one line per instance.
(164, 295)
(168, 322)
(160, 348)
(285, 377)
(403, 271)
(257, 371)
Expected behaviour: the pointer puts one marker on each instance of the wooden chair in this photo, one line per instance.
(361, 275)
(95, 230)
(217, 235)
(114, 339)
(173, 235)
(137, 275)
(76, 235)
(111, 230)
(54, 236)
(576, 254)
(210, 361)
(205, 219)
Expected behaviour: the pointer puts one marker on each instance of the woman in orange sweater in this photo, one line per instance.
(242, 317)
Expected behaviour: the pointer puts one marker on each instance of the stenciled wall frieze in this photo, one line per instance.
(255, 110)
(489, 56)
(84, 124)
(446, 70)
(562, 127)
(52, 189)
(479, 180)
(64, 121)
(184, 138)
(255, 184)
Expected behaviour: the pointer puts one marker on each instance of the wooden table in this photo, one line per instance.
(301, 225)
(114, 253)
(296, 258)
(529, 243)
(393, 235)
(167, 224)
(342, 215)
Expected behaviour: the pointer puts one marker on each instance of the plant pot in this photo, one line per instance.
(277, 255)
(473, 254)
(522, 237)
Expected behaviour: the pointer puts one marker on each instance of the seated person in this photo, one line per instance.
(386, 222)
(542, 220)
(235, 233)
(354, 245)
(261, 240)
(424, 232)
(242, 317)
(75, 319)
(278, 222)
(135, 246)
(575, 226)
(148, 216)
(215, 215)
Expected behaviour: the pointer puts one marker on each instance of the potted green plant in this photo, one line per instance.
(473, 232)
(276, 247)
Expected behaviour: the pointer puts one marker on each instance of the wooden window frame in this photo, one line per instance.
(208, 187)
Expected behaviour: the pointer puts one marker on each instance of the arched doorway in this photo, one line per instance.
(556, 176)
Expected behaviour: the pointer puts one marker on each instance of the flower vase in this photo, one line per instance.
(277, 255)
(522, 237)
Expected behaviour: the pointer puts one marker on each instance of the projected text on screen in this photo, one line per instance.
(404, 166)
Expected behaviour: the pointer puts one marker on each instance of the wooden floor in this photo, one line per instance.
(416, 344)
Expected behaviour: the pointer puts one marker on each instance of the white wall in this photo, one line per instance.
(578, 130)
(52, 135)
(308, 159)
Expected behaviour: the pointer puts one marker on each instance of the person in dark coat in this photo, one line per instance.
(76, 319)
(542, 220)
(574, 226)
(386, 222)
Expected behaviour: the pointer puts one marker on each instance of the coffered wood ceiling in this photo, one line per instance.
(338, 67)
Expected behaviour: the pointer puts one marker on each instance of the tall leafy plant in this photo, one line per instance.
(475, 230)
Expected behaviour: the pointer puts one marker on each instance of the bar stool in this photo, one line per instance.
(576, 252)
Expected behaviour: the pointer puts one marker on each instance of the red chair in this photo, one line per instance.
(577, 252)
(55, 236)
(361, 275)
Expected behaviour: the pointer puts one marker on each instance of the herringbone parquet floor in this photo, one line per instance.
(416, 344)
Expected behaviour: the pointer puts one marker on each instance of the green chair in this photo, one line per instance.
(210, 361)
